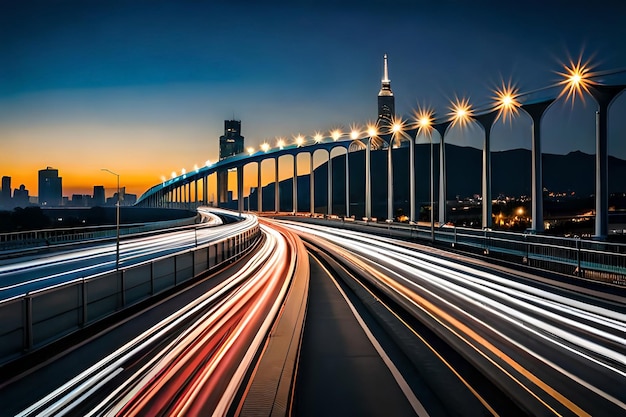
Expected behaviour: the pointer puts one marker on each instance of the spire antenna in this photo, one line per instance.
(386, 70)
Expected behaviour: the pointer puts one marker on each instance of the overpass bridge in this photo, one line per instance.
(184, 188)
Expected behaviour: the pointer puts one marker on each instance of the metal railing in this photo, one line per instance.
(49, 237)
(38, 318)
(590, 259)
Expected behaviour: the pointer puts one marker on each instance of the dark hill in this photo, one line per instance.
(511, 175)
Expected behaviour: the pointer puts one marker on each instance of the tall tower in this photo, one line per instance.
(5, 195)
(50, 187)
(231, 143)
(386, 101)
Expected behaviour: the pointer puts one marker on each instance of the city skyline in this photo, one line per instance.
(144, 89)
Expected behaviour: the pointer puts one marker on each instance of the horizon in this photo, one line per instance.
(109, 192)
(143, 89)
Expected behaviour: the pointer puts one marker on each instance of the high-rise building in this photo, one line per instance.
(386, 100)
(21, 197)
(5, 194)
(50, 187)
(98, 195)
(231, 143)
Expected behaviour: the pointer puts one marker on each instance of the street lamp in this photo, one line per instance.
(425, 119)
(117, 220)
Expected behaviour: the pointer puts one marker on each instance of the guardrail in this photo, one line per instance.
(49, 237)
(597, 260)
(36, 319)
(590, 259)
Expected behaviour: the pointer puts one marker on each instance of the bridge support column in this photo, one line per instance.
(604, 96)
(329, 185)
(412, 179)
(368, 179)
(240, 198)
(347, 182)
(205, 190)
(295, 184)
(311, 185)
(442, 128)
(486, 121)
(276, 191)
(259, 190)
(189, 195)
(536, 112)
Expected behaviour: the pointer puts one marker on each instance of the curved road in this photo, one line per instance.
(551, 350)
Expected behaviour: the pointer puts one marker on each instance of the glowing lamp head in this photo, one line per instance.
(163, 178)
(336, 134)
(208, 163)
(299, 140)
(506, 101)
(318, 137)
(183, 171)
(424, 119)
(195, 167)
(173, 174)
(265, 147)
(250, 150)
(461, 112)
(280, 143)
(354, 134)
(371, 132)
(577, 79)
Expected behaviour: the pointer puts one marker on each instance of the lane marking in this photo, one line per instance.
(404, 386)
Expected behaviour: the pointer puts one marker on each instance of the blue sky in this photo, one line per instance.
(143, 87)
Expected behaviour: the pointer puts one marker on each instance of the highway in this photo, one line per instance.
(391, 327)
(548, 348)
(187, 355)
(20, 275)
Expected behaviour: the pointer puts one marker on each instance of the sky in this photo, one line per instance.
(142, 88)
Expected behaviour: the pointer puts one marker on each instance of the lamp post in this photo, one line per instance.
(425, 118)
(117, 221)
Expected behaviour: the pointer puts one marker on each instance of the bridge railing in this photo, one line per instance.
(589, 259)
(597, 260)
(40, 317)
(49, 237)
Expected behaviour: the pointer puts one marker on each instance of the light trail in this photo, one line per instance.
(194, 361)
(22, 275)
(495, 313)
